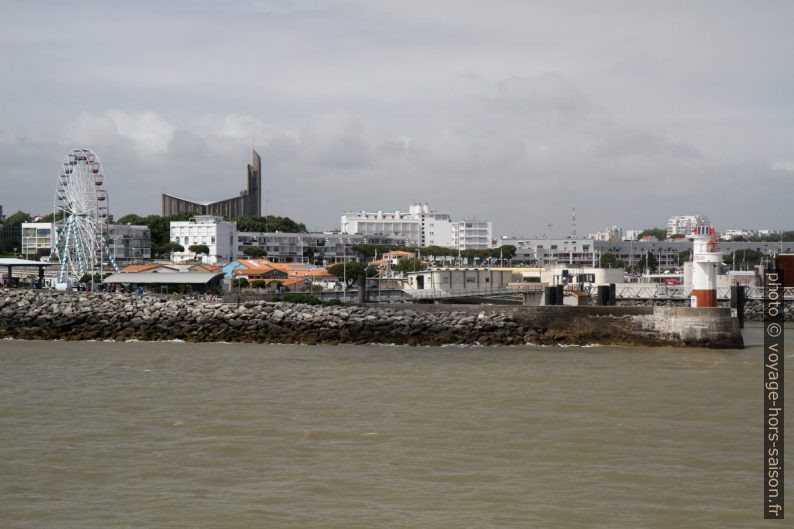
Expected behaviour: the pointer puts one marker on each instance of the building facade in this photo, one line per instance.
(684, 224)
(129, 243)
(218, 235)
(420, 226)
(316, 248)
(472, 235)
(248, 203)
(38, 238)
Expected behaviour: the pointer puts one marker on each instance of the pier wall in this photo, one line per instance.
(28, 314)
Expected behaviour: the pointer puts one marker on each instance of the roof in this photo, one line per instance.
(137, 268)
(148, 278)
(396, 253)
(22, 262)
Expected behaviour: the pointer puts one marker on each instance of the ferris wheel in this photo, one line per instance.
(81, 217)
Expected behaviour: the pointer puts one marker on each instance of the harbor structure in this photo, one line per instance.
(248, 203)
(706, 259)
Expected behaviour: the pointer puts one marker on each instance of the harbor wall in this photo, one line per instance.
(29, 314)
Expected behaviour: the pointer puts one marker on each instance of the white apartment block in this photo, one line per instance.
(420, 226)
(683, 224)
(219, 235)
(38, 238)
(472, 234)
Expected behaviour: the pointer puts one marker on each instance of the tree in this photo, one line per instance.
(16, 219)
(608, 260)
(170, 247)
(258, 283)
(255, 252)
(199, 249)
(659, 233)
(351, 271)
(743, 259)
(684, 256)
(269, 224)
(648, 261)
(241, 282)
(410, 265)
(508, 251)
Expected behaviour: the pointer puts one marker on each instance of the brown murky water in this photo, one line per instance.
(172, 435)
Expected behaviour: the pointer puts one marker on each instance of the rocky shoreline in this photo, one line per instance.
(49, 315)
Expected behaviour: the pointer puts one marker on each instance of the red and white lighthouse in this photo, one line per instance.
(706, 259)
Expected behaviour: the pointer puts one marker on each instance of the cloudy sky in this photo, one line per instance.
(513, 111)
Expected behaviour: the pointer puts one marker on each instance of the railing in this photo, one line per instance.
(681, 292)
(516, 288)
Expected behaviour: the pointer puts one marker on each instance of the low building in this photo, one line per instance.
(217, 234)
(459, 280)
(167, 283)
(38, 238)
(316, 248)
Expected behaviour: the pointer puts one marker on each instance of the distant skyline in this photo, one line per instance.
(509, 111)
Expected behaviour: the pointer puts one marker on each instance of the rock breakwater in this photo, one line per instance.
(29, 314)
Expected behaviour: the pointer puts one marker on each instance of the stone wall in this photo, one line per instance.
(29, 314)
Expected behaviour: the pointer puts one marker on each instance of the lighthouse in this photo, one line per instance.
(706, 259)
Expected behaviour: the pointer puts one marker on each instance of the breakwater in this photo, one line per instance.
(753, 309)
(28, 314)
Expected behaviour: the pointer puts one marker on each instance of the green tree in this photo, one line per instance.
(649, 262)
(240, 282)
(255, 252)
(410, 265)
(270, 223)
(508, 251)
(199, 249)
(743, 259)
(351, 271)
(170, 247)
(608, 260)
(685, 256)
(659, 233)
(16, 219)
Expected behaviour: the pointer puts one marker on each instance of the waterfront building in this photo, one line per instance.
(129, 243)
(472, 235)
(38, 238)
(420, 226)
(612, 233)
(317, 248)
(219, 235)
(2, 217)
(459, 280)
(684, 224)
(248, 203)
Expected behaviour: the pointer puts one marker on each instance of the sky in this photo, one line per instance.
(510, 111)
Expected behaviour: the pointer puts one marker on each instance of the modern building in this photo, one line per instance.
(129, 243)
(218, 235)
(684, 224)
(248, 203)
(420, 226)
(38, 238)
(472, 235)
(318, 248)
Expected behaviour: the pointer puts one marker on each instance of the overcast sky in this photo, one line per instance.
(512, 111)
